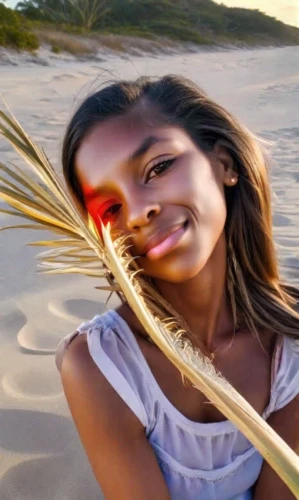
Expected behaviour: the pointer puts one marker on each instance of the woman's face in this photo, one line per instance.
(154, 184)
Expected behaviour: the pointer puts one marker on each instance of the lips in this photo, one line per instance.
(163, 241)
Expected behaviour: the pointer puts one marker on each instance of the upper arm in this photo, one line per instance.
(113, 437)
(286, 423)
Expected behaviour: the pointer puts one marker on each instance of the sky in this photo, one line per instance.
(285, 10)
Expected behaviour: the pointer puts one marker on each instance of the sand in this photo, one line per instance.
(41, 456)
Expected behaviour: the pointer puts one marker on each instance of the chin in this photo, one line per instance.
(176, 271)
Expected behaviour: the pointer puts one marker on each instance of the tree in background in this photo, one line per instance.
(83, 13)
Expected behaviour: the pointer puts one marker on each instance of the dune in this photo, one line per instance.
(41, 455)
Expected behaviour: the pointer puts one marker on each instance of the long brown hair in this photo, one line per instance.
(255, 290)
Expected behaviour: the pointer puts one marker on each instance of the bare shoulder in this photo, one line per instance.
(77, 365)
(114, 439)
(76, 353)
(83, 381)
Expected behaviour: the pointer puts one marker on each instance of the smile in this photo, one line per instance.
(157, 249)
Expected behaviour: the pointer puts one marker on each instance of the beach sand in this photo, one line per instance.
(41, 457)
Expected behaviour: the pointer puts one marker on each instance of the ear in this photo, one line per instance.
(228, 171)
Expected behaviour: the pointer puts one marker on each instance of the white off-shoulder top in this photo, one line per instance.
(212, 461)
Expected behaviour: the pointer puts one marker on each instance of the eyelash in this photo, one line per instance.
(166, 163)
(110, 210)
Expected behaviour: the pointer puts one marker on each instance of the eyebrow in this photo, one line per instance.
(146, 145)
(140, 151)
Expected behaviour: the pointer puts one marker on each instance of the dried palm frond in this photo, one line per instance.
(47, 205)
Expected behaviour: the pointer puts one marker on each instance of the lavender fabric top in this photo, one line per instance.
(212, 461)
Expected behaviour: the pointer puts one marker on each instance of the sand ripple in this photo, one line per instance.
(35, 341)
(32, 383)
(26, 431)
(11, 323)
(51, 478)
(75, 309)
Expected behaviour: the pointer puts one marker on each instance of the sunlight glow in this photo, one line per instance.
(284, 10)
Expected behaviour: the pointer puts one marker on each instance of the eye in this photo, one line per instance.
(112, 211)
(160, 168)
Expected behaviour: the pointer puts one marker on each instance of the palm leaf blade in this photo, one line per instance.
(30, 185)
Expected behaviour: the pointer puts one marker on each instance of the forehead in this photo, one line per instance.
(110, 144)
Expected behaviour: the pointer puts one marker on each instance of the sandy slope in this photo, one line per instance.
(41, 457)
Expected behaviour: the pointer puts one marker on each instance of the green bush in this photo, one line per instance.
(8, 17)
(17, 38)
(129, 31)
(13, 32)
(56, 49)
(178, 31)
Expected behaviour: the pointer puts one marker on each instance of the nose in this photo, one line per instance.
(140, 213)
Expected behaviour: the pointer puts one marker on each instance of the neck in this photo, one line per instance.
(202, 300)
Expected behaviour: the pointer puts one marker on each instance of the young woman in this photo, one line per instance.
(189, 185)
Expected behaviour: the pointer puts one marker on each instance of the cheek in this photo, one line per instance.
(203, 192)
(211, 215)
(211, 201)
